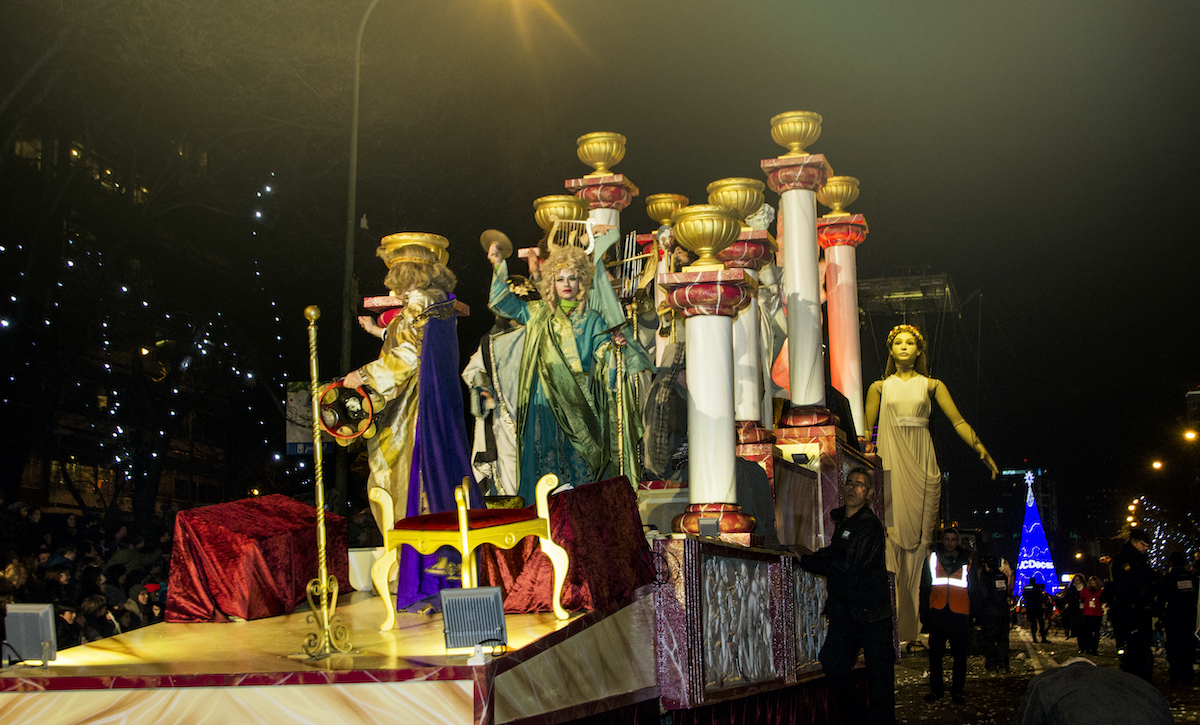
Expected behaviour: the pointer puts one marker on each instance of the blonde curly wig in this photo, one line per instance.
(415, 267)
(572, 258)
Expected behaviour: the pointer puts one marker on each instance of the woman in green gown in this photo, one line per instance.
(559, 428)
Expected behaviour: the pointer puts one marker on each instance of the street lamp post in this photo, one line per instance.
(351, 193)
(341, 463)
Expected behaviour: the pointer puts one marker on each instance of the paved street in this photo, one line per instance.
(992, 698)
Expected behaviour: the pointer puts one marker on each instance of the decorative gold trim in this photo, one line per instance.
(412, 260)
(440, 310)
(501, 403)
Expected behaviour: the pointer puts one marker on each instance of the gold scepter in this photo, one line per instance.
(331, 634)
(620, 408)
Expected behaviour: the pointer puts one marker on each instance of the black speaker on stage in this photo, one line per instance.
(473, 616)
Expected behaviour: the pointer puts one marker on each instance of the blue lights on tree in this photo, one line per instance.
(1034, 560)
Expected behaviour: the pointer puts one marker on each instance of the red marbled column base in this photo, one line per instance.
(789, 173)
(729, 515)
(803, 416)
(748, 253)
(612, 191)
(712, 298)
(833, 231)
(749, 431)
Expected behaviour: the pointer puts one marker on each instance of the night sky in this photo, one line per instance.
(1041, 154)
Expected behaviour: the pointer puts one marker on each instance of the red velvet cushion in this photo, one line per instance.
(476, 519)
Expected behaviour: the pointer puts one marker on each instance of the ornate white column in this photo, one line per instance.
(839, 233)
(707, 296)
(750, 252)
(796, 176)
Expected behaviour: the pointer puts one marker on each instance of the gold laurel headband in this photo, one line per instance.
(905, 328)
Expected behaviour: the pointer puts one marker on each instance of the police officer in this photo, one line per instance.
(1131, 604)
(1034, 595)
(993, 586)
(1178, 602)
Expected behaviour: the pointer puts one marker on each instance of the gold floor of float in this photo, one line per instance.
(274, 645)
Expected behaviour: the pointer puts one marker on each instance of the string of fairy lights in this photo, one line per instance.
(1168, 532)
(102, 311)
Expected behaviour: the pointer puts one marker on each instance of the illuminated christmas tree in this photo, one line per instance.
(1034, 558)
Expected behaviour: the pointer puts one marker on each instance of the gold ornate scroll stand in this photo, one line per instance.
(331, 634)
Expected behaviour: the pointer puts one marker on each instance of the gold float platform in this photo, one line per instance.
(228, 672)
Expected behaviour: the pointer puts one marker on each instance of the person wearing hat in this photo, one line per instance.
(137, 606)
(421, 435)
(66, 630)
(1131, 603)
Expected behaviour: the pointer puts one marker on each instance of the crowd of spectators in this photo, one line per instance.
(1148, 610)
(102, 575)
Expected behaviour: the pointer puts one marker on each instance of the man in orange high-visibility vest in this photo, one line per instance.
(946, 592)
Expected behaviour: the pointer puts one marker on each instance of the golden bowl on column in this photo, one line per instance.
(660, 207)
(600, 150)
(390, 245)
(559, 206)
(745, 196)
(838, 192)
(795, 130)
(706, 230)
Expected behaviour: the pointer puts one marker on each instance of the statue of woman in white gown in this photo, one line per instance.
(901, 403)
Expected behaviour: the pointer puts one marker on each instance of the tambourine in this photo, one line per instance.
(347, 413)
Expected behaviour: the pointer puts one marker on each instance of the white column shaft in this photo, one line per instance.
(747, 366)
(710, 409)
(845, 354)
(802, 285)
(611, 217)
(660, 296)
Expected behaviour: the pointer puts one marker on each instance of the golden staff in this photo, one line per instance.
(331, 634)
(620, 408)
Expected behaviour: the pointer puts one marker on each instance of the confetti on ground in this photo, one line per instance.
(994, 697)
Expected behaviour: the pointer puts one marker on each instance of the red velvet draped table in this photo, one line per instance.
(599, 526)
(250, 559)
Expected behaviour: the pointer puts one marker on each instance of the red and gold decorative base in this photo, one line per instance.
(803, 416)
(749, 431)
(729, 517)
(609, 191)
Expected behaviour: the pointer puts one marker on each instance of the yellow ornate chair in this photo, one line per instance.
(465, 530)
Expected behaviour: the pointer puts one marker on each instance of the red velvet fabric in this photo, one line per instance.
(476, 519)
(251, 559)
(809, 703)
(599, 526)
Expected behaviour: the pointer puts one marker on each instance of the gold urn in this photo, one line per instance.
(390, 245)
(706, 230)
(660, 207)
(564, 207)
(600, 150)
(745, 196)
(795, 130)
(838, 192)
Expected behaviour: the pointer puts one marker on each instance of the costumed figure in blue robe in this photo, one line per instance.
(420, 452)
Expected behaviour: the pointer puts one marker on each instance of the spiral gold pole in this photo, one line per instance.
(331, 634)
(635, 381)
(620, 410)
